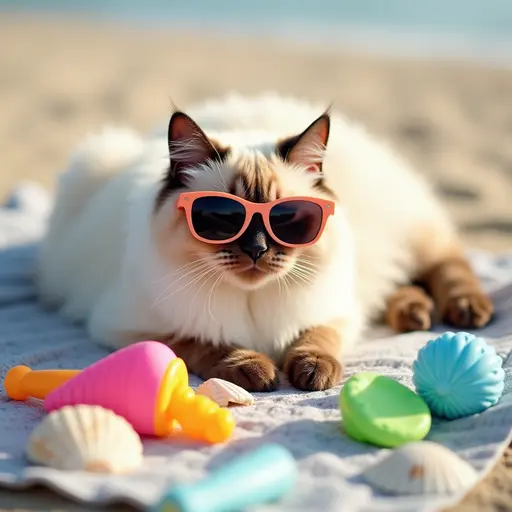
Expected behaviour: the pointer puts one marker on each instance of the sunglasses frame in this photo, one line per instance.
(186, 200)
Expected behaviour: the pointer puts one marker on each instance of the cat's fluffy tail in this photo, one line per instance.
(95, 161)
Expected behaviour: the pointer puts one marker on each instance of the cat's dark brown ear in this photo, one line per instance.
(189, 146)
(307, 148)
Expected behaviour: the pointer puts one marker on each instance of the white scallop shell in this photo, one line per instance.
(224, 393)
(421, 468)
(85, 437)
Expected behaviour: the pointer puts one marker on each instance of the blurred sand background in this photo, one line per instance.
(61, 79)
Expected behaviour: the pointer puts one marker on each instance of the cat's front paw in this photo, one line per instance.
(470, 310)
(248, 369)
(410, 309)
(313, 371)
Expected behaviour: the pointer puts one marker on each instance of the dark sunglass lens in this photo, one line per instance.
(296, 222)
(217, 218)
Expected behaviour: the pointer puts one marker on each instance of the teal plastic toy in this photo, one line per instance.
(458, 374)
(381, 411)
(262, 476)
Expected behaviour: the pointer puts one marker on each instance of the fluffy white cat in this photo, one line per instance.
(119, 254)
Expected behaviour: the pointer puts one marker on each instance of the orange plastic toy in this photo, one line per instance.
(145, 383)
(21, 382)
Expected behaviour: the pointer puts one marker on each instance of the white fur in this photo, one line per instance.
(99, 262)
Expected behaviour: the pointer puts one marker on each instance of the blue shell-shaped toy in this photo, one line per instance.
(458, 374)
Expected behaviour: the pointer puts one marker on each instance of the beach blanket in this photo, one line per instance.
(308, 424)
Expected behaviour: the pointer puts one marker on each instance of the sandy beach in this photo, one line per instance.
(60, 79)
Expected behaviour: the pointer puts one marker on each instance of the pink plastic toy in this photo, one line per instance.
(126, 382)
(145, 383)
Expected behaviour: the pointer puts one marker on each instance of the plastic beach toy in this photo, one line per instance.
(21, 382)
(458, 375)
(381, 411)
(145, 383)
(262, 476)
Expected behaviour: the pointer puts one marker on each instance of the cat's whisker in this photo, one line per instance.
(214, 258)
(305, 272)
(307, 266)
(186, 285)
(286, 283)
(282, 287)
(197, 268)
(174, 272)
(279, 288)
(308, 278)
(303, 281)
(309, 257)
(211, 274)
(307, 262)
(311, 274)
(211, 295)
(197, 278)
(206, 255)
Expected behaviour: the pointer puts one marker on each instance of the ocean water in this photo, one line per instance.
(470, 28)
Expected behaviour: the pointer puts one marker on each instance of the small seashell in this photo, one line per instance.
(223, 393)
(87, 438)
(421, 468)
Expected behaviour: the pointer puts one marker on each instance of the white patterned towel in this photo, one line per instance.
(307, 423)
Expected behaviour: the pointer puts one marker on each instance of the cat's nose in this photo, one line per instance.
(254, 241)
(255, 250)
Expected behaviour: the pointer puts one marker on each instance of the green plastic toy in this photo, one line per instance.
(381, 411)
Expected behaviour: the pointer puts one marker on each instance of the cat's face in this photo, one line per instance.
(292, 168)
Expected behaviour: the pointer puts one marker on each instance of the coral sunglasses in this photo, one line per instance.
(220, 218)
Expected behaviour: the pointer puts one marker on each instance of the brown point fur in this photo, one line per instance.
(246, 368)
(410, 309)
(457, 293)
(171, 182)
(285, 148)
(450, 288)
(324, 189)
(311, 362)
(255, 179)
